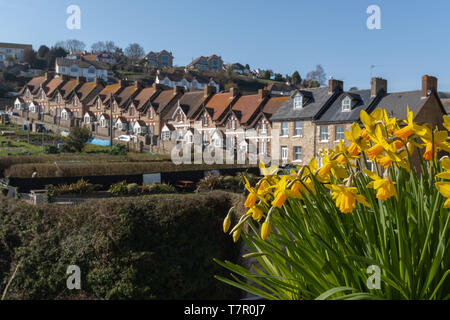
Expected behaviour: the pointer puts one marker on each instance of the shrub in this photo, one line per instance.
(119, 189)
(50, 149)
(321, 233)
(133, 189)
(157, 188)
(77, 139)
(80, 187)
(211, 182)
(119, 150)
(157, 247)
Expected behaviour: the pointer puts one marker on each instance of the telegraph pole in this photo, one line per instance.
(110, 121)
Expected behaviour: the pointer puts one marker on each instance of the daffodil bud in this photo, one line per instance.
(226, 223)
(266, 229)
(236, 235)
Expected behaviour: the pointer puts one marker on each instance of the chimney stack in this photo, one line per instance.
(429, 85)
(138, 84)
(209, 90)
(81, 80)
(263, 93)
(178, 89)
(377, 85)
(122, 83)
(234, 91)
(335, 85)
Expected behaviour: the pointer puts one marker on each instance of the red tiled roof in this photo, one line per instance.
(144, 96)
(163, 99)
(52, 85)
(246, 106)
(219, 103)
(274, 104)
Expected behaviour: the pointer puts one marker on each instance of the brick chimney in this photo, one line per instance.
(234, 91)
(209, 90)
(156, 86)
(138, 84)
(123, 83)
(178, 89)
(335, 85)
(429, 85)
(263, 93)
(81, 79)
(377, 85)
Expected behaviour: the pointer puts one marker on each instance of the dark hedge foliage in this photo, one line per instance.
(153, 247)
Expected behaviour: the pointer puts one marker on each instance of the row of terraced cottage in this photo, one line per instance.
(294, 127)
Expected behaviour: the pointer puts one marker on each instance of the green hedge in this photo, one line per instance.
(153, 247)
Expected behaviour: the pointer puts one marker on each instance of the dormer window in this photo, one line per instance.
(298, 102)
(347, 104)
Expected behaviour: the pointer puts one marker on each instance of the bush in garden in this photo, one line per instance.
(133, 189)
(119, 150)
(316, 232)
(119, 189)
(138, 248)
(50, 149)
(211, 182)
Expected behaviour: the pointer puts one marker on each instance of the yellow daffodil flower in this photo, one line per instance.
(371, 122)
(346, 197)
(385, 186)
(444, 189)
(359, 143)
(434, 141)
(410, 128)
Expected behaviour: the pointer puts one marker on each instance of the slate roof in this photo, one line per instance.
(315, 100)
(396, 103)
(362, 100)
(446, 103)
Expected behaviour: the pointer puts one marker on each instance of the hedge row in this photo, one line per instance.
(154, 247)
(104, 169)
(7, 162)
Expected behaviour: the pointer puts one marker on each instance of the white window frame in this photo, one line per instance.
(298, 128)
(296, 153)
(283, 129)
(323, 133)
(284, 154)
(298, 102)
(336, 133)
(263, 128)
(347, 104)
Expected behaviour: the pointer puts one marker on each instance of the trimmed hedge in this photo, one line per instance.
(153, 247)
(105, 169)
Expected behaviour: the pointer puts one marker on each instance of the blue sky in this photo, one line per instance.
(283, 35)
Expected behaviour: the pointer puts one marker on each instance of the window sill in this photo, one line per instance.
(324, 141)
(297, 136)
(284, 136)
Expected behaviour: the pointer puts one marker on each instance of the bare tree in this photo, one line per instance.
(134, 51)
(317, 75)
(71, 45)
(110, 47)
(98, 47)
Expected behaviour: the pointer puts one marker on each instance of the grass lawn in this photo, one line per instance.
(10, 147)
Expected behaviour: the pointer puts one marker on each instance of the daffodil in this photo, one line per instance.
(390, 123)
(372, 121)
(384, 186)
(410, 128)
(447, 122)
(280, 194)
(271, 171)
(434, 141)
(444, 189)
(265, 230)
(330, 165)
(359, 143)
(346, 197)
(256, 213)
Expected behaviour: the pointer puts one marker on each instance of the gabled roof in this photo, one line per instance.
(190, 103)
(88, 90)
(125, 95)
(395, 103)
(106, 93)
(246, 107)
(53, 85)
(163, 99)
(218, 104)
(361, 100)
(273, 105)
(35, 84)
(143, 97)
(68, 87)
(317, 99)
